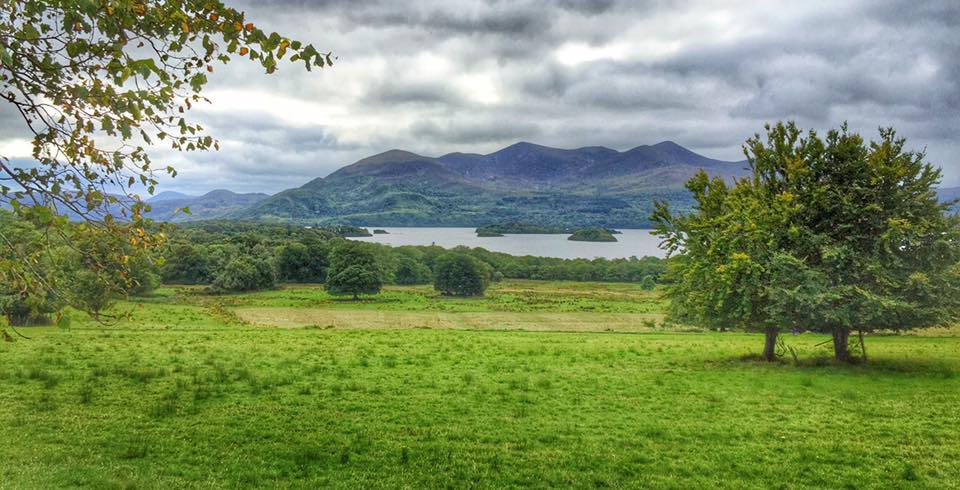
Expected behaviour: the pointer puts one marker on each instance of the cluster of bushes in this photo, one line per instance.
(248, 259)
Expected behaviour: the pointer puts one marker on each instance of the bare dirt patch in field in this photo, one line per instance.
(331, 318)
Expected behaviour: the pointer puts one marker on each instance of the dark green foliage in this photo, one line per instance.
(648, 283)
(409, 271)
(303, 262)
(458, 274)
(246, 273)
(592, 235)
(354, 270)
(186, 264)
(355, 280)
(870, 245)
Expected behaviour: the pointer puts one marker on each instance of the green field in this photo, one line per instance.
(537, 385)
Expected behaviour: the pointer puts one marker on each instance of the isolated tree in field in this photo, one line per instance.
(353, 270)
(96, 83)
(458, 274)
(830, 235)
(870, 245)
(648, 283)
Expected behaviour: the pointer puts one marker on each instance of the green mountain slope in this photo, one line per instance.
(524, 182)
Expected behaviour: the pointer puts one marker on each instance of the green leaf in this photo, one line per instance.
(198, 81)
(30, 33)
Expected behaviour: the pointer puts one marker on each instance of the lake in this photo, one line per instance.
(630, 243)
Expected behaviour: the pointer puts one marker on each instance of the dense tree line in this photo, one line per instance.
(203, 254)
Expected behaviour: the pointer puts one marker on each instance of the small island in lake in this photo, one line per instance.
(380, 232)
(346, 231)
(513, 228)
(592, 235)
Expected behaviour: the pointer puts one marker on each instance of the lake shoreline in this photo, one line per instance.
(631, 242)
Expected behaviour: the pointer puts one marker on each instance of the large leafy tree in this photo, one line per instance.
(873, 248)
(833, 235)
(99, 81)
(458, 274)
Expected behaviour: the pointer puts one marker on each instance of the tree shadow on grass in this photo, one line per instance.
(872, 366)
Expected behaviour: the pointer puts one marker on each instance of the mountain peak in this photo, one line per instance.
(667, 144)
(394, 155)
(218, 193)
(169, 196)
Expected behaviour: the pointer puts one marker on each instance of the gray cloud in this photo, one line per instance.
(436, 76)
(472, 132)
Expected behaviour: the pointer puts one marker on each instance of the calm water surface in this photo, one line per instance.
(630, 243)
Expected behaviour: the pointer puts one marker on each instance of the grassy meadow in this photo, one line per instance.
(539, 384)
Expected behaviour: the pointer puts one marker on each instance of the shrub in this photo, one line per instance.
(458, 274)
(648, 283)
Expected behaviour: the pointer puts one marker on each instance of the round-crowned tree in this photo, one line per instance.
(648, 283)
(353, 271)
(355, 280)
(457, 274)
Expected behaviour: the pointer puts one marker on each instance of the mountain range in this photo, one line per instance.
(524, 182)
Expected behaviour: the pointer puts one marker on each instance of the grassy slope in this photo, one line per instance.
(186, 396)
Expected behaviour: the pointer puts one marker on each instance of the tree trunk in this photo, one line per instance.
(841, 336)
(863, 347)
(770, 345)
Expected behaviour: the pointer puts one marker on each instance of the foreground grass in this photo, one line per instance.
(187, 396)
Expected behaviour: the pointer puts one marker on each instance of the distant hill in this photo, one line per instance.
(591, 186)
(168, 196)
(214, 204)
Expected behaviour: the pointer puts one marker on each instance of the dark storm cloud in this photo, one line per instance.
(435, 76)
(472, 132)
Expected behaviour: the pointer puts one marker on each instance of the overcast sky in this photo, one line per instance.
(476, 75)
